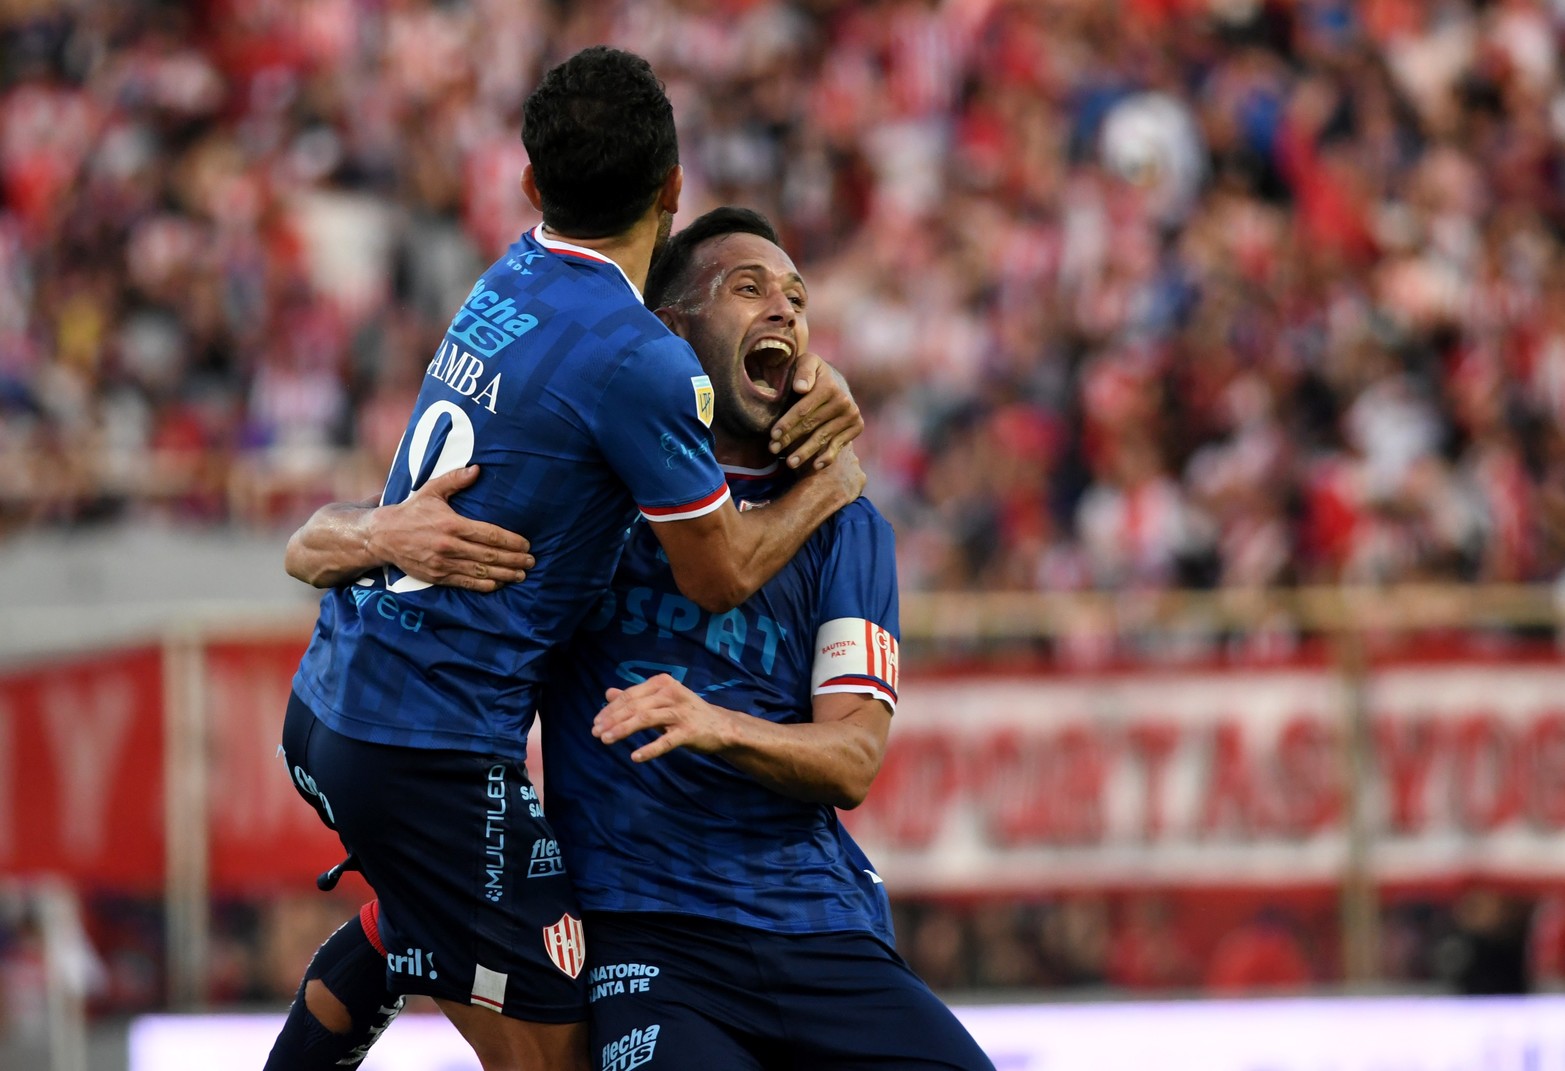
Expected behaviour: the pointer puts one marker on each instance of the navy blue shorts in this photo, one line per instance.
(475, 905)
(680, 992)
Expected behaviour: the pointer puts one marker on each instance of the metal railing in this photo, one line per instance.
(1350, 610)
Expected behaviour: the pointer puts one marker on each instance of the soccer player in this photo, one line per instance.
(734, 923)
(407, 729)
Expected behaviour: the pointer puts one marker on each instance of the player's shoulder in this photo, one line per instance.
(578, 284)
(659, 356)
(862, 518)
(660, 345)
(606, 309)
(856, 551)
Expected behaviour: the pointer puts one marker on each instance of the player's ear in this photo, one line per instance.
(530, 187)
(668, 197)
(672, 319)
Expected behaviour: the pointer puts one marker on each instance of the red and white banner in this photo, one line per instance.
(81, 770)
(1217, 778)
(262, 831)
(990, 784)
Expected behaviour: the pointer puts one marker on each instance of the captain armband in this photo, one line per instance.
(855, 655)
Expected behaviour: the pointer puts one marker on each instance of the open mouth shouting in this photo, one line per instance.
(768, 366)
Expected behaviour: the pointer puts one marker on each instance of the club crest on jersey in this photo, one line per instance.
(706, 399)
(566, 944)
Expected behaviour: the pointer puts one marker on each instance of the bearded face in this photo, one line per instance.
(747, 324)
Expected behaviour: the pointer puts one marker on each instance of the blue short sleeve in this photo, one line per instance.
(856, 645)
(653, 425)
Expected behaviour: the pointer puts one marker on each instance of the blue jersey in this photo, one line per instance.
(689, 833)
(580, 407)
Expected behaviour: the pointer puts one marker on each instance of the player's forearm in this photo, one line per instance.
(771, 537)
(755, 545)
(334, 545)
(832, 763)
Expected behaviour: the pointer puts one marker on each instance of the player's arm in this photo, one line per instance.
(422, 536)
(831, 759)
(853, 680)
(822, 421)
(722, 557)
(654, 432)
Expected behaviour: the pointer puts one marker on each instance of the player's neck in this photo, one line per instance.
(751, 454)
(631, 250)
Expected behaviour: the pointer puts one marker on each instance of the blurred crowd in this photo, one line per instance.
(1481, 941)
(1135, 293)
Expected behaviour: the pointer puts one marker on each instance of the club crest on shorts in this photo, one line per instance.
(705, 398)
(566, 944)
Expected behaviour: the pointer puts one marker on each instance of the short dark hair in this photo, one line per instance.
(669, 276)
(599, 133)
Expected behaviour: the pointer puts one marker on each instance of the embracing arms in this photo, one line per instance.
(423, 536)
(722, 558)
(718, 559)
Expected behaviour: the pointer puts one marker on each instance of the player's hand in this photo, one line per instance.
(845, 472)
(427, 539)
(822, 421)
(662, 703)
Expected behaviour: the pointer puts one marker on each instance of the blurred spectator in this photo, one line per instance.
(936, 944)
(44, 955)
(1408, 936)
(1002, 958)
(1074, 942)
(1486, 952)
(1546, 943)
(24, 986)
(1263, 955)
(1148, 951)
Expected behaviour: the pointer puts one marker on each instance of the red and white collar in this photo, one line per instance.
(554, 245)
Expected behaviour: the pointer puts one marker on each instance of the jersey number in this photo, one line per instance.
(443, 427)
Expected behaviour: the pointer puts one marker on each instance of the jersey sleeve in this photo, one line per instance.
(856, 645)
(653, 425)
